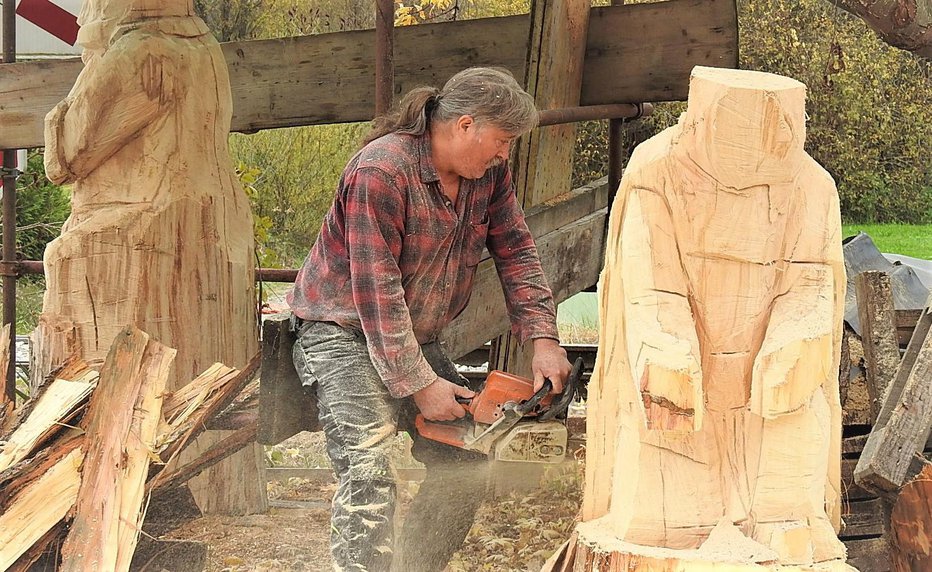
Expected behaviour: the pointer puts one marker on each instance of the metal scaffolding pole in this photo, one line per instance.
(8, 267)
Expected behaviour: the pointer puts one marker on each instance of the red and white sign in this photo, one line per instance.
(47, 28)
(20, 163)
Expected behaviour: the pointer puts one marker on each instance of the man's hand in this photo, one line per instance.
(549, 362)
(437, 401)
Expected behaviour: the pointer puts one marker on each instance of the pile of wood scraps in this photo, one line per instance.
(888, 469)
(80, 458)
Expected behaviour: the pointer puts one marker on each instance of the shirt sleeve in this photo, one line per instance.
(375, 210)
(528, 298)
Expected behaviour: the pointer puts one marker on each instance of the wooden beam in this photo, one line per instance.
(572, 260)
(878, 333)
(328, 78)
(891, 453)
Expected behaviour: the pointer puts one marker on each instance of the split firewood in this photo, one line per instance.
(57, 404)
(714, 422)
(36, 498)
(121, 425)
(188, 410)
(6, 405)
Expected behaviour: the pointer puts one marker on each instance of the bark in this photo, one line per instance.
(904, 24)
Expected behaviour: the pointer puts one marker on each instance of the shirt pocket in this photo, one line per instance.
(474, 242)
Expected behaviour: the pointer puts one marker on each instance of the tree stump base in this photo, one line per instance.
(594, 548)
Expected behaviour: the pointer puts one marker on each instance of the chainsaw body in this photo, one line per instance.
(508, 421)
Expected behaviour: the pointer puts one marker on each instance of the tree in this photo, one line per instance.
(904, 24)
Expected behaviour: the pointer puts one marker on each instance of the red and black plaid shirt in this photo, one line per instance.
(396, 259)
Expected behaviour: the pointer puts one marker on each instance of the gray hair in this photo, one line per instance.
(490, 95)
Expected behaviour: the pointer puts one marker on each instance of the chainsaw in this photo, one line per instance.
(508, 421)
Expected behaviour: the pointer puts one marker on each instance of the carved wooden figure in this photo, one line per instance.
(714, 422)
(160, 234)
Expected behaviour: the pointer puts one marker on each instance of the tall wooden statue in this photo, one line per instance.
(714, 423)
(160, 234)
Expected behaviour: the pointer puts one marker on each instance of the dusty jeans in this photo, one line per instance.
(360, 419)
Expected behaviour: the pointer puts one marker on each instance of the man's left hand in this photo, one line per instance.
(549, 362)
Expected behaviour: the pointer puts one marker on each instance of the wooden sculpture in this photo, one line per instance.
(714, 424)
(160, 233)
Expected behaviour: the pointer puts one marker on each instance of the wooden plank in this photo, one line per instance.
(121, 424)
(653, 60)
(906, 321)
(849, 488)
(905, 420)
(864, 518)
(869, 554)
(328, 78)
(572, 260)
(285, 408)
(878, 333)
(543, 165)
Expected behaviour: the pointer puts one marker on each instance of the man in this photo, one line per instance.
(392, 266)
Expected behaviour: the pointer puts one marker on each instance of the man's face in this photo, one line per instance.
(481, 146)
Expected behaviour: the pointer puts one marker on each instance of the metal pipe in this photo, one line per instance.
(384, 55)
(615, 128)
(592, 112)
(9, 218)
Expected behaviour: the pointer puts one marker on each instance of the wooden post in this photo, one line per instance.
(878, 334)
(544, 158)
(159, 233)
(892, 454)
(714, 423)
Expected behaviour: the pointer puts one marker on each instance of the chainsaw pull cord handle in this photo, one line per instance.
(559, 407)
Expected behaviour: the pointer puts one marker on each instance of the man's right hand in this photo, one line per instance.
(437, 401)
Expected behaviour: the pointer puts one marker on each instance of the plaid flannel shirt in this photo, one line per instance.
(395, 258)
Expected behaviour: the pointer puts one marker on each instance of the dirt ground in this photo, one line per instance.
(515, 532)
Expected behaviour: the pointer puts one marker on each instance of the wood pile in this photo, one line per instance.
(886, 389)
(79, 460)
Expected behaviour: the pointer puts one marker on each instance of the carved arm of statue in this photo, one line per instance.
(117, 94)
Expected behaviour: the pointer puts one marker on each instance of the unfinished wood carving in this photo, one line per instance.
(160, 234)
(714, 426)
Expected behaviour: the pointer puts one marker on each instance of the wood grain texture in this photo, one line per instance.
(328, 78)
(121, 426)
(878, 334)
(158, 235)
(714, 421)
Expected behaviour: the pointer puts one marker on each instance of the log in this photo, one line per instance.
(878, 334)
(714, 422)
(911, 521)
(121, 426)
(229, 445)
(285, 408)
(905, 420)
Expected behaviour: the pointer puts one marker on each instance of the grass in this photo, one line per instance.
(907, 239)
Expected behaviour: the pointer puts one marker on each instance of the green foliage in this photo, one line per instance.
(870, 105)
(41, 208)
(290, 176)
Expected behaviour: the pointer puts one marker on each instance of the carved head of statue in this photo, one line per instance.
(99, 18)
(749, 127)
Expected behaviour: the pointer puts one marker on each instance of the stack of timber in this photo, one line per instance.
(80, 458)
(887, 465)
